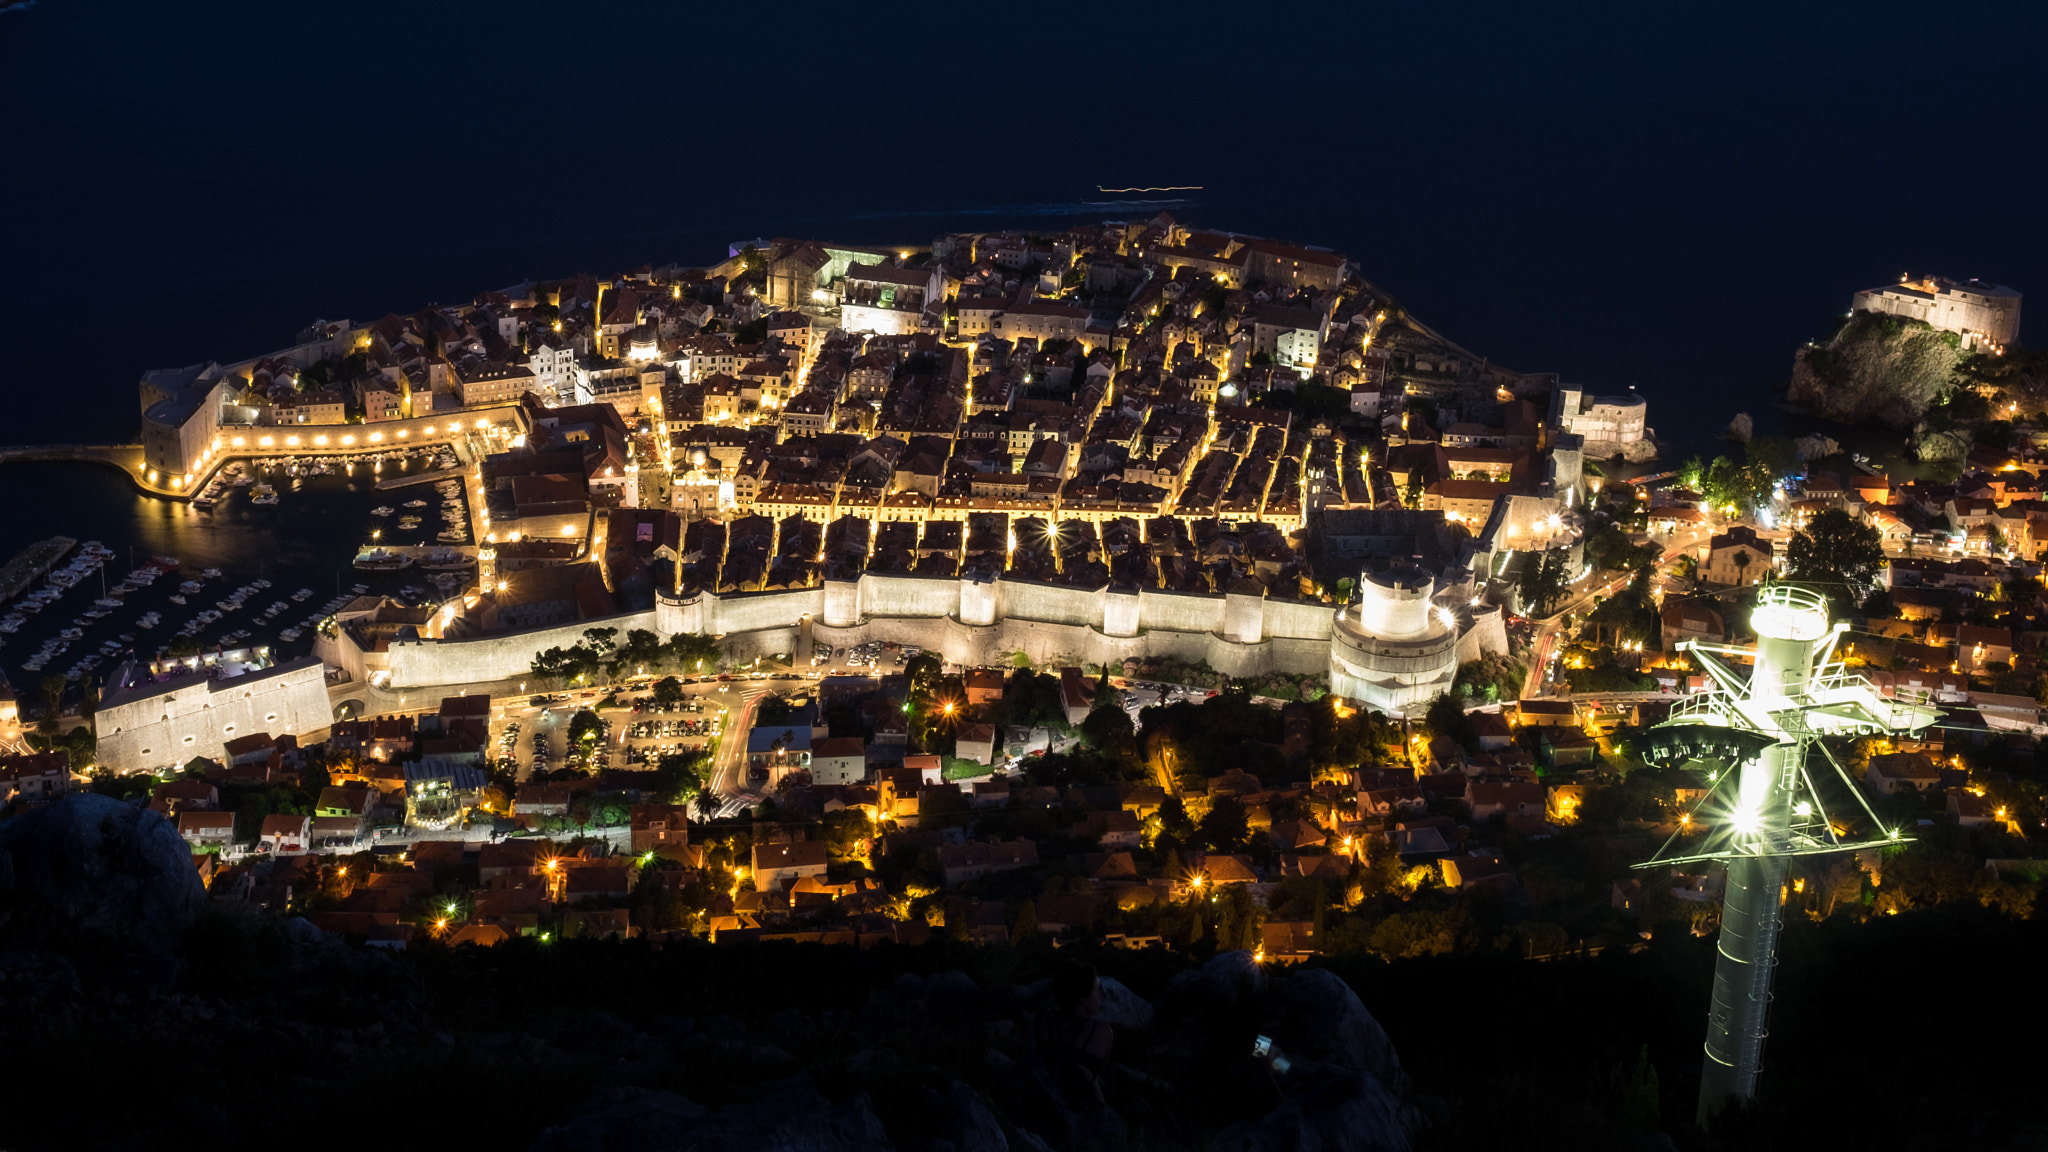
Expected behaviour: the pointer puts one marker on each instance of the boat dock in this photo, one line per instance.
(422, 478)
(419, 553)
(31, 563)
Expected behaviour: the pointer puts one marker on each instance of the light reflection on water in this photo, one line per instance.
(307, 539)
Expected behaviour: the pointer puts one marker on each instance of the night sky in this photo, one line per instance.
(1670, 196)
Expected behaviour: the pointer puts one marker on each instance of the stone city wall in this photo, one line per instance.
(197, 717)
(909, 595)
(420, 663)
(1054, 643)
(1048, 623)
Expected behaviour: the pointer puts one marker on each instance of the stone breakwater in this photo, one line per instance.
(31, 563)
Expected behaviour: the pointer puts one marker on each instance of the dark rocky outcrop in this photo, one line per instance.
(1877, 369)
(1336, 1083)
(89, 870)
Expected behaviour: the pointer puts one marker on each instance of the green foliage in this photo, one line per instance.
(1491, 678)
(1030, 699)
(668, 690)
(1108, 730)
(1545, 579)
(1609, 547)
(1225, 826)
(1725, 484)
(1027, 923)
(1630, 615)
(924, 670)
(1446, 718)
(599, 657)
(1778, 456)
(251, 803)
(108, 783)
(1226, 731)
(1598, 672)
(585, 727)
(1880, 368)
(1839, 554)
(680, 775)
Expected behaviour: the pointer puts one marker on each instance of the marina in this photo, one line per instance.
(234, 574)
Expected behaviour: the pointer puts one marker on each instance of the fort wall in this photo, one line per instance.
(166, 725)
(1238, 635)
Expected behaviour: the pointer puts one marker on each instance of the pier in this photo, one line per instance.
(303, 440)
(126, 457)
(455, 474)
(31, 563)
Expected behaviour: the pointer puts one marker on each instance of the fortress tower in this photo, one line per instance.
(1393, 650)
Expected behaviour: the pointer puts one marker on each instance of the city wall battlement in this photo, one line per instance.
(968, 621)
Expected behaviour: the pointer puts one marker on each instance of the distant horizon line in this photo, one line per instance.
(1168, 188)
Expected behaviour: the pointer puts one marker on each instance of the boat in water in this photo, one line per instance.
(263, 494)
(382, 510)
(382, 560)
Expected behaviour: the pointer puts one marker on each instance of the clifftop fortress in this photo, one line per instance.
(1986, 315)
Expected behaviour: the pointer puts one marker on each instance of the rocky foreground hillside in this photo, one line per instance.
(214, 1025)
(1876, 369)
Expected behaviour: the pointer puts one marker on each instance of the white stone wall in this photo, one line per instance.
(842, 602)
(1050, 624)
(1389, 609)
(909, 595)
(508, 656)
(1120, 613)
(977, 601)
(752, 611)
(1053, 603)
(193, 716)
(1299, 619)
(1179, 611)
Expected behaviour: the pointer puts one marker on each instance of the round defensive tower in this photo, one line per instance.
(1392, 650)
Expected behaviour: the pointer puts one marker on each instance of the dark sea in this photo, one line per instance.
(1671, 197)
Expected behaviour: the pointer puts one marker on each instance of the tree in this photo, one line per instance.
(924, 671)
(1027, 923)
(1778, 456)
(1225, 826)
(668, 690)
(313, 778)
(1108, 730)
(1446, 717)
(1608, 546)
(679, 776)
(1837, 552)
(692, 654)
(585, 726)
(1544, 579)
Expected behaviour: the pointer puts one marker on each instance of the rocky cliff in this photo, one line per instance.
(1877, 369)
(239, 1027)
